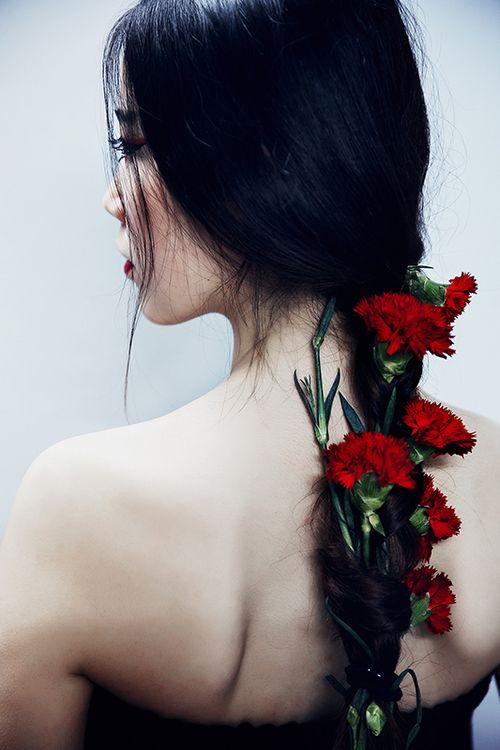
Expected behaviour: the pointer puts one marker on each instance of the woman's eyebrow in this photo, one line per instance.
(126, 117)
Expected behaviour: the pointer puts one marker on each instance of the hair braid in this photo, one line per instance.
(371, 600)
(379, 604)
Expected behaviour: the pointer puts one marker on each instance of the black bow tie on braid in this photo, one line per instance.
(381, 686)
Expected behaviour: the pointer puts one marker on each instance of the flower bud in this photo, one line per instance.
(424, 288)
(375, 718)
(352, 716)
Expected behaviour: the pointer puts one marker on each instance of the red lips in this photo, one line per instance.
(127, 268)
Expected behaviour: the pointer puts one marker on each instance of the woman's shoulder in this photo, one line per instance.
(479, 470)
(116, 506)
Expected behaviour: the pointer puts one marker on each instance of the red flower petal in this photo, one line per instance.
(418, 580)
(444, 522)
(436, 425)
(441, 597)
(387, 456)
(431, 495)
(440, 590)
(423, 580)
(439, 620)
(458, 294)
(443, 519)
(407, 323)
(426, 546)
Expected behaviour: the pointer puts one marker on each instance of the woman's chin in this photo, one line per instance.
(159, 317)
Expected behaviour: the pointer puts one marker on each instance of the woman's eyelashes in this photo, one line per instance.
(126, 148)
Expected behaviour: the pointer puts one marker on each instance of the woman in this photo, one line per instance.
(171, 575)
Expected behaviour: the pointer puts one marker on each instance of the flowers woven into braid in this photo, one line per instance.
(362, 470)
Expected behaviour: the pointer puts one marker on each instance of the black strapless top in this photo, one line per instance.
(113, 723)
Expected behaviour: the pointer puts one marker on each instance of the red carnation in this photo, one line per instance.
(458, 294)
(442, 518)
(423, 582)
(425, 547)
(361, 452)
(435, 425)
(407, 323)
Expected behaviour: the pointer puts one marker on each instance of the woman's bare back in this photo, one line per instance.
(204, 599)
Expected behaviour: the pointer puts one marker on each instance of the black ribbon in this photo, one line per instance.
(379, 684)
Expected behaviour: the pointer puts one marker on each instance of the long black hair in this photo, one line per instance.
(290, 138)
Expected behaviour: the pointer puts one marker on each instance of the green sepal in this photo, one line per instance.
(419, 609)
(419, 453)
(358, 731)
(390, 365)
(420, 519)
(375, 522)
(368, 494)
(375, 718)
(350, 414)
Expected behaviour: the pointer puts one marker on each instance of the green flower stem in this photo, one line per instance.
(321, 426)
(340, 512)
(365, 530)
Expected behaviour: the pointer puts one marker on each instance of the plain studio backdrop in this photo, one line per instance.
(63, 306)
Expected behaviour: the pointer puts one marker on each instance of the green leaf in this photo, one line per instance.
(389, 414)
(350, 414)
(351, 632)
(331, 396)
(349, 517)
(304, 398)
(307, 385)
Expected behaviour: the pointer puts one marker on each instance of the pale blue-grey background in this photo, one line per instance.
(63, 307)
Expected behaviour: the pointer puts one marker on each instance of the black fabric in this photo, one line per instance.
(113, 723)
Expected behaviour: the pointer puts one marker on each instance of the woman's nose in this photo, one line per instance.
(111, 202)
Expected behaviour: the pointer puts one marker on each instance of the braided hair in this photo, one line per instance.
(374, 589)
(375, 601)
